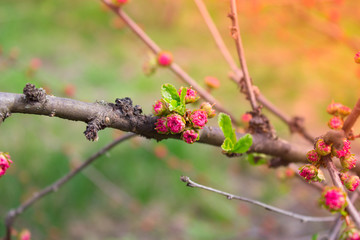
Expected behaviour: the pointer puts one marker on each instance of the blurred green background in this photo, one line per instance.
(299, 54)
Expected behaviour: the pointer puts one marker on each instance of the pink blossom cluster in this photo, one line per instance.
(5, 162)
(187, 124)
(334, 199)
(350, 233)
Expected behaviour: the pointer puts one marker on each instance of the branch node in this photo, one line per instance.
(33, 94)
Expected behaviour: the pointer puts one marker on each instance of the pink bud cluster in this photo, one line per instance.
(188, 124)
(5, 162)
(339, 112)
(350, 233)
(333, 199)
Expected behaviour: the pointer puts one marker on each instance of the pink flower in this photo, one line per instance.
(335, 123)
(333, 198)
(190, 136)
(25, 235)
(198, 118)
(5, 162)
(351, 183)
(160, 108)
(313, 157)
(322, 148)
(165, 58)
(175, 123)
(191, 95)
(309, 173)
(208, 109)
(161, 126)
(357, 57)
(348, 162)
(344, 151)
(350, 233)
(246, 117)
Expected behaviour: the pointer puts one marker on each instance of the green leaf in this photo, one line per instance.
(224, 122)
(243, 144)
(227, 145)
(173, 105)
(315, 236)
(169, 93)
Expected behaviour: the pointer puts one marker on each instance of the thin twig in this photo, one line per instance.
(12, 214)
(235, 31)
(238, 74)
(229, 196)
(175, 68)
(330, 166)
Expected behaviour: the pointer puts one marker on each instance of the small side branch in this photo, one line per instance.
(230, 196)
(12, 214)
(235, 32)
(175, 68)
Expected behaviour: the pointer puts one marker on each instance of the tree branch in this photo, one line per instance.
(113, 117)
(12, 214)
(293, 123)
(230, 196)
(235, 31)
(173, 67)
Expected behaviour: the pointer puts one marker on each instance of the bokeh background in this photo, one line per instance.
(299, 53)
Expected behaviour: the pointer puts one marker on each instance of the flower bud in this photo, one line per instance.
(161, 126)
(351, 183)
(348, 162)
(5, 162)
(333, 199)
(342, 152)
(344, 111)
(333, 108)
(175, 123)
(198, 118)
(313, 157)
(160, 108)
(343, 176)
(165, 58)
(119, 2)
(322, 148)
(309, 173)
(208, 109)
(357, 57)
(191, 94)
(190, 136)
(25, 234)
(350, 233)
(335, 123)
(212, 82)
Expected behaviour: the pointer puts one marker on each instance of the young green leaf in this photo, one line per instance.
(224, 122)
(243, 144)
(173, 105)
(169, 93)
(227, 145)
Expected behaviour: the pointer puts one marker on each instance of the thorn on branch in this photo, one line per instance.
(33, 94)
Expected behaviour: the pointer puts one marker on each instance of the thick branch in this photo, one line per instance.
(143, 125)
(12, 214)
(230, 196)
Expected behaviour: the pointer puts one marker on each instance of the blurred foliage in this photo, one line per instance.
(300, 54)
